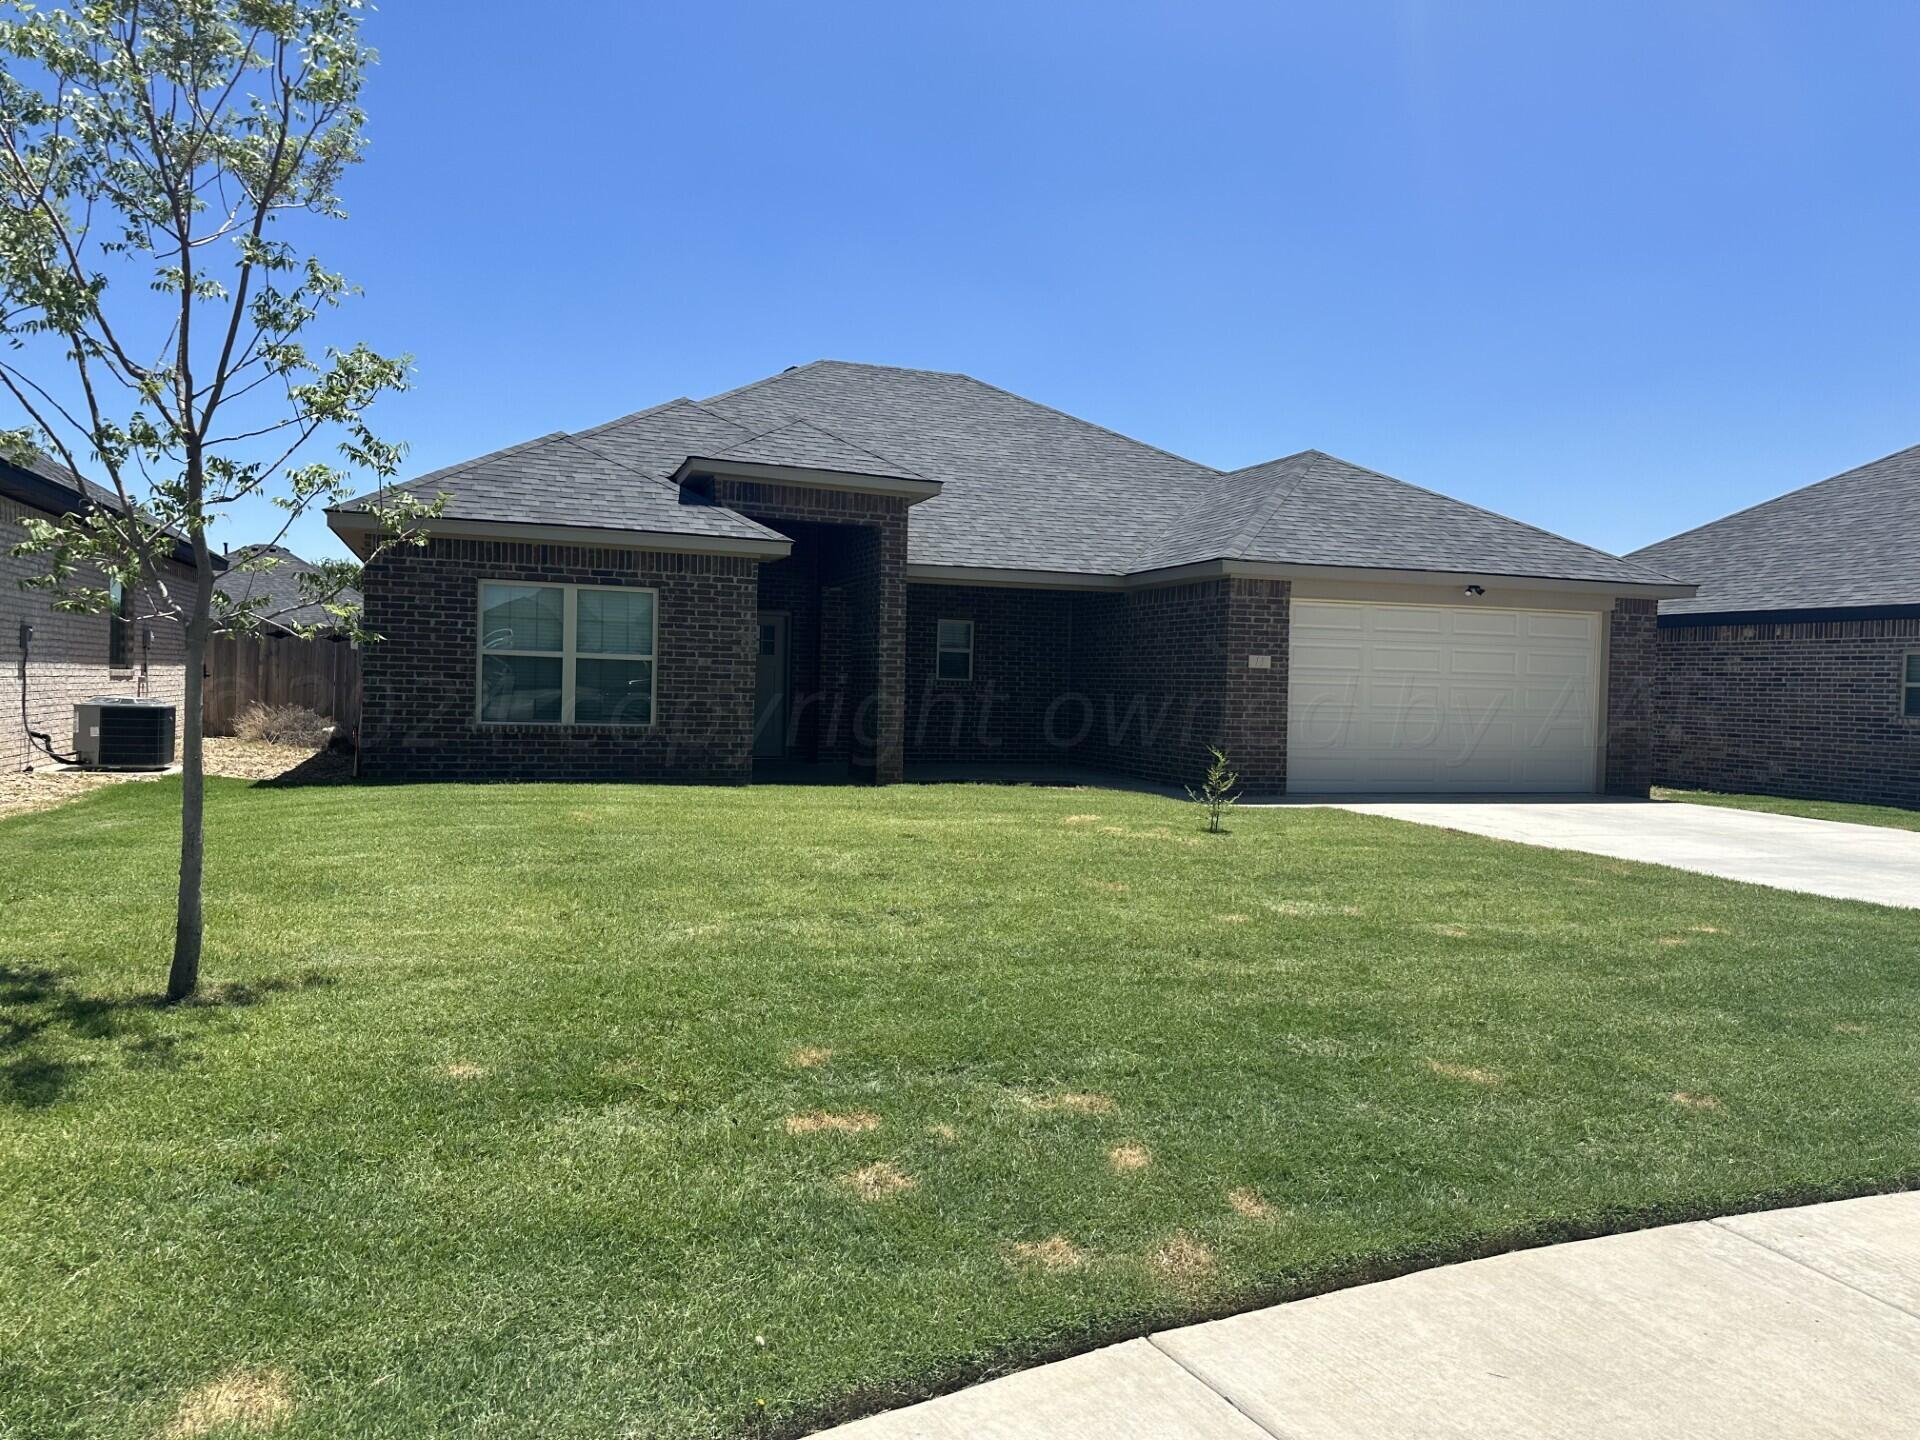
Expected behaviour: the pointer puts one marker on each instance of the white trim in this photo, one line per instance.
(568, 655)
(910, 490)
(344, 525)
(940, 648)
(1021, 579)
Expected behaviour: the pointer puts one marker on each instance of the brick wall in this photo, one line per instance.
(69, 661)
(1254, 704)
(863, 583)
(1808, 710)
(1022, 642)
(1632, 666)
(418, 711)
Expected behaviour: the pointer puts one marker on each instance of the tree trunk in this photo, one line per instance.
(184, 978)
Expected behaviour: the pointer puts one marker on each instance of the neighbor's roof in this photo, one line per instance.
(1024, 487)
(44, 484)
(1839, 544)
(277, 587)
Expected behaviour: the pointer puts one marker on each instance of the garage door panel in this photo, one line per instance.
(1441, 698)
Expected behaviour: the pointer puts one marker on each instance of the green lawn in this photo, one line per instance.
(1890, 816)
(484, 1129)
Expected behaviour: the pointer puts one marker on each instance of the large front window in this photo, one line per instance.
(566, 654)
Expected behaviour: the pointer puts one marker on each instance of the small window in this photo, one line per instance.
(119, 627)
(1910, 688)
(955, 658)
(566, 655)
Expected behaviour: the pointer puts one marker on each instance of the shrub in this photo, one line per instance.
(283, 725)
(1217, 792)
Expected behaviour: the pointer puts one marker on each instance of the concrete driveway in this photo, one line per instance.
(1781, 1326)
(1820, 857)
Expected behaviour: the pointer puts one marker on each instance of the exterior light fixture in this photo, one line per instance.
(1476, 591)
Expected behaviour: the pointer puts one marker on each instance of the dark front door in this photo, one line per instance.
(770, 688)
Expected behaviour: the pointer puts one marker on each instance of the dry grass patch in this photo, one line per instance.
(1080, 819)
(943, 1131)
(1127, 1158)
(1231, 919)
(881, 1180)
(1452, 932)
(463, 1070)
(1472, 1074)
(1250, 1204)
(1056, 1254)
(1113, 887)
(1183, 1262)
(1674, 940)
(1849, 1027)
(1075, 1102)
(1706, 930)
(251, 1400)
(814, 1121)
(1695, 1102)
(807, 1057)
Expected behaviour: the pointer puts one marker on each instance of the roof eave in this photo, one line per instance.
(912, 490)
(1279, 570)
(357, 527)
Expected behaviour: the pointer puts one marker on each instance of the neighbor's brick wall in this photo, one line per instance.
(69, 660)
(1807, 710)
(1022, 670)
(863, 581)
(417, 713)
(1632, 665)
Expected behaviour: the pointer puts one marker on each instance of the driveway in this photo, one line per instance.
(1796, 1323)
(1820, 857)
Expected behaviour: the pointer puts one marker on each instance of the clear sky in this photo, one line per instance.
(1615, 269)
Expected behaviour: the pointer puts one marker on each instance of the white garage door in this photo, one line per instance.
(1442, 698)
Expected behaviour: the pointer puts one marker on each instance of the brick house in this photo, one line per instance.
(1795, 668)
(73, 657)
(872, 568)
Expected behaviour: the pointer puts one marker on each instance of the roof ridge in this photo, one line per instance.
(1777, 499)
(1077, 419)
(1483, 510)
(1280, 498)
(655, 410)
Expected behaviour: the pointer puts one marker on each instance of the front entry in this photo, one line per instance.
(770, 688)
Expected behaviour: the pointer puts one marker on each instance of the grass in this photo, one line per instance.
(597, 1111)
(1891, 817)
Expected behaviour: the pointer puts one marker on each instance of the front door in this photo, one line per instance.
(770, 688)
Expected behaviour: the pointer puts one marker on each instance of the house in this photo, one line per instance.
(274, 664)
(1795, 669)
(871, 567)
(72, 657)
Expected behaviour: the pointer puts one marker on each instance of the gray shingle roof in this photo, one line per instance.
(1317, 509)
(808, 447)
(277, 587)
(1844, 542)
(1025, 487)
(562, 480)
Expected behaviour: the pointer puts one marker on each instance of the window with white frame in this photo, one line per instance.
(1910, 688)
(953, 659)
(566, 654)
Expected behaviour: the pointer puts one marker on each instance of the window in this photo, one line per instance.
(1910, 688)
(566, 655)
(954, 659)
(119, 627)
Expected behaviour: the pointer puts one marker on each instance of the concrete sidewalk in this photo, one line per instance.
(1788, 852)
(1793, 1323)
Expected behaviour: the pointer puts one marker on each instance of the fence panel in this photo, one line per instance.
(323, 675)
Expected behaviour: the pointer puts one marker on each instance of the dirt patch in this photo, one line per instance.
(808, 1057)
(1056, 1254)
(815, 1121)
(1127, 1158)
(1250, 1204)
(1695, 1102)
(261, 759)
(1472, 1074)
(1183, 1262)
(881, 1180)
(21, 792)
(1075, 1102)
(250, 1400)
(464, 1070)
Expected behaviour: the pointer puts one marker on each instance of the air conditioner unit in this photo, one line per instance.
(116, 732)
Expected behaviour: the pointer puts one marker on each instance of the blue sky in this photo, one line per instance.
(1614, 269)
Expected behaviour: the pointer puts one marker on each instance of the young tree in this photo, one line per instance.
(160, 164)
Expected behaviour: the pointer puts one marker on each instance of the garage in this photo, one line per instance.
(1442, 699)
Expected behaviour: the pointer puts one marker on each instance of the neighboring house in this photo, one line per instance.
(875, 566)
(274, 665)
(74, 657)
(1795, 670)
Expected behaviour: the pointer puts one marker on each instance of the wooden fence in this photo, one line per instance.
(323, 675)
